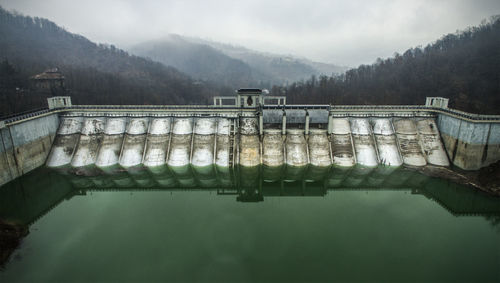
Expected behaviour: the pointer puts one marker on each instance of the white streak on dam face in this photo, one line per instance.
(296, 148)
(223, 126)
(183, 126)
(319, 148)
(134, 142)
(249, 147)
(341, 126)
(203, 145)
(431, 142)
(160, 126)
(249, 126)
(109, 152)
(342, 147)
(382, 127)
(180, 147)
(386, 143)
(222, 150)
(65, 142)
(70, 126)
(363, 142)
(90, 140)
(157, 142)
(272, 145)
(409, 143)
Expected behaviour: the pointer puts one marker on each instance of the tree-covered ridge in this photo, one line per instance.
(95, 73)
(463, 67)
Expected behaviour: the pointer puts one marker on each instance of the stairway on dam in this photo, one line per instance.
(83, 143)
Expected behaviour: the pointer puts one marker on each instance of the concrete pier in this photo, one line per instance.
(272, 144)
(431, 142)
(341, 139)
(181, 143)
(409, 143)
(364, 144)
(297, 153)
(157, 143)
(109, 152)
(223, 142)
(204, 141)
(319, 148)
(387, 146)
(90, 141)
(134, 143)
(249, 146)
(65, 142)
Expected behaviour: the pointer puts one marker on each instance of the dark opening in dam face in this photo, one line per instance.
(247, 224)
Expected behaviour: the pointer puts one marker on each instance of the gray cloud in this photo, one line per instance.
(342, 32)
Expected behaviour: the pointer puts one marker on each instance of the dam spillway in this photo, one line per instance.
(198, 139)
(203, 142)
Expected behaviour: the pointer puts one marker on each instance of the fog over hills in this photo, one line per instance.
(231, 65)
(186, 70)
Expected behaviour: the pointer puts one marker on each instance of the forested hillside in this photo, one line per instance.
(464, 67)
(95, 73)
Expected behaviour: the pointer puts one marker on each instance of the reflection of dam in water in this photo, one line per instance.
(132, 213)
(24, 201)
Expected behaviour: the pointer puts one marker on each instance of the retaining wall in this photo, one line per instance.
(470, 145)
(25, 145)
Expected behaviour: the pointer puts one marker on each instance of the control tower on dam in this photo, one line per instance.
(248, 129)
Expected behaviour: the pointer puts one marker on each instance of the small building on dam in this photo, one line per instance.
(248, 129)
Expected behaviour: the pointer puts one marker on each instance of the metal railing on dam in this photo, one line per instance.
(343, 110)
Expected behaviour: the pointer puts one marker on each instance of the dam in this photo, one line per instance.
(247, 189)
(246, 130)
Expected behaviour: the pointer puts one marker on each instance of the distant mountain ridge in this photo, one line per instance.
(230, 65)
(255, 58)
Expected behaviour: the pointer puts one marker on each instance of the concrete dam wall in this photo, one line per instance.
(470, 145)
(25, 144)
(87, 140)
(130, 143)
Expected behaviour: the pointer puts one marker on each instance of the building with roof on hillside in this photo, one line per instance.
(51, 80)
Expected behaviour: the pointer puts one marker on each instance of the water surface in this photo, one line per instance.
(259, 224)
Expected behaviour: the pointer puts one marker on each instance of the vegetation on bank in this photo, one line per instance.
(95, 73)
(463, 67)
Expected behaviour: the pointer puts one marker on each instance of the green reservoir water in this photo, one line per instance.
(257, 224)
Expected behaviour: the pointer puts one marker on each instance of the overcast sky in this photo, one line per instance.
(347, 32)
